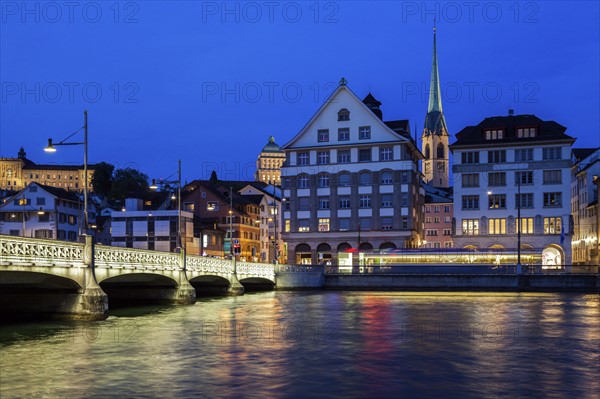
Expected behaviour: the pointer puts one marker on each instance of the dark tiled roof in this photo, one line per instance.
(437, 194)
(370, 100)
(156, 200)
(546, 130)
(60, 193)
(582, 153)
(34, 166)
(401, 127)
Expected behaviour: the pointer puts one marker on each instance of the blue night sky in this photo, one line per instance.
(209, 82)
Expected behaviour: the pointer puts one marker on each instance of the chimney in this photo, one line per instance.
(511, 112)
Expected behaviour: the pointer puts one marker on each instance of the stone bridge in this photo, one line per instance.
(33, 271)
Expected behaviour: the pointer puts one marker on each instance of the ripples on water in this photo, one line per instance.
(317, 344)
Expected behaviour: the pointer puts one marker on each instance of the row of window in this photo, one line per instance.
(364, 224)
(343, 156)
(437, 219)
(344, 179)
(364, 201)
(436, 208)
(498, 179)
(552, 225)
(434, 232)
(522, 133)
(521, 155)
(524, 201)
(364, 133)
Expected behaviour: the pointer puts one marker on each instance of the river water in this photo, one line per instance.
(317, 344)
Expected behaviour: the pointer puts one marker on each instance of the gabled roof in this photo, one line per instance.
(57, 192)
(546, 131)
(328, 102)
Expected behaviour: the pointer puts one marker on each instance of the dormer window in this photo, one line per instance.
(497, 134)
(343, 115)
(526, 133)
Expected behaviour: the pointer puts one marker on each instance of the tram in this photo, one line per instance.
(437, 256)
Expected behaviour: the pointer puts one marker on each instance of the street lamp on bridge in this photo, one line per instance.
(51, 147)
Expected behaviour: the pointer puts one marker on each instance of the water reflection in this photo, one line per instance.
(318, 344)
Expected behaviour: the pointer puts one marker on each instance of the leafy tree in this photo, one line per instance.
(129, 183)
(103, 178)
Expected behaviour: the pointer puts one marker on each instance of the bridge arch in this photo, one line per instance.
(27, 294)
(137, 288)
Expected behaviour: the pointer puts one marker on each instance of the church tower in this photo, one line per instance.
(435, 133)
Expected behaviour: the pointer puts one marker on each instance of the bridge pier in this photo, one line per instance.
(92, 301)
(185, 294)
(235, 288)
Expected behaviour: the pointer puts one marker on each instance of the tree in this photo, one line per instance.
(129, 183)
(103, 178)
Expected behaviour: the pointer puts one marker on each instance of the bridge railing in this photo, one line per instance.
(256, 269)
(108, 256)
(204, 264)
(21, 249)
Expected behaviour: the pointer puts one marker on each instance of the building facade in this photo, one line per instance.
(350, 180)
(269, 162)
(508, 165)
(237, 215)
(438, 217)
(584, 205)
(43, 212)
(141, 224)
(16, 173)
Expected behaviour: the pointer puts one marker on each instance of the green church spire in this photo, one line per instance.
(434, 121)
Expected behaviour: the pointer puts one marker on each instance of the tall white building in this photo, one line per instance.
(507, 161)
(350, 180)
(584, 205)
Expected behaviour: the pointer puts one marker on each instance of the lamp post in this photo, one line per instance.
(275, 240)
(519, 225)
(51, 148)
(162, 182)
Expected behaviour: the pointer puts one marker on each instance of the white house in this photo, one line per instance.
(43, 212)
(510, 163)
(350, 180)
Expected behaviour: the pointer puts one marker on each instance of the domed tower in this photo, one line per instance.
(269, 162)
(435, 133)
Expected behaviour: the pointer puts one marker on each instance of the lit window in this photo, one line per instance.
(526, 225)
(324, 224)
(497, 226)
(470, 227)
(552, 225)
